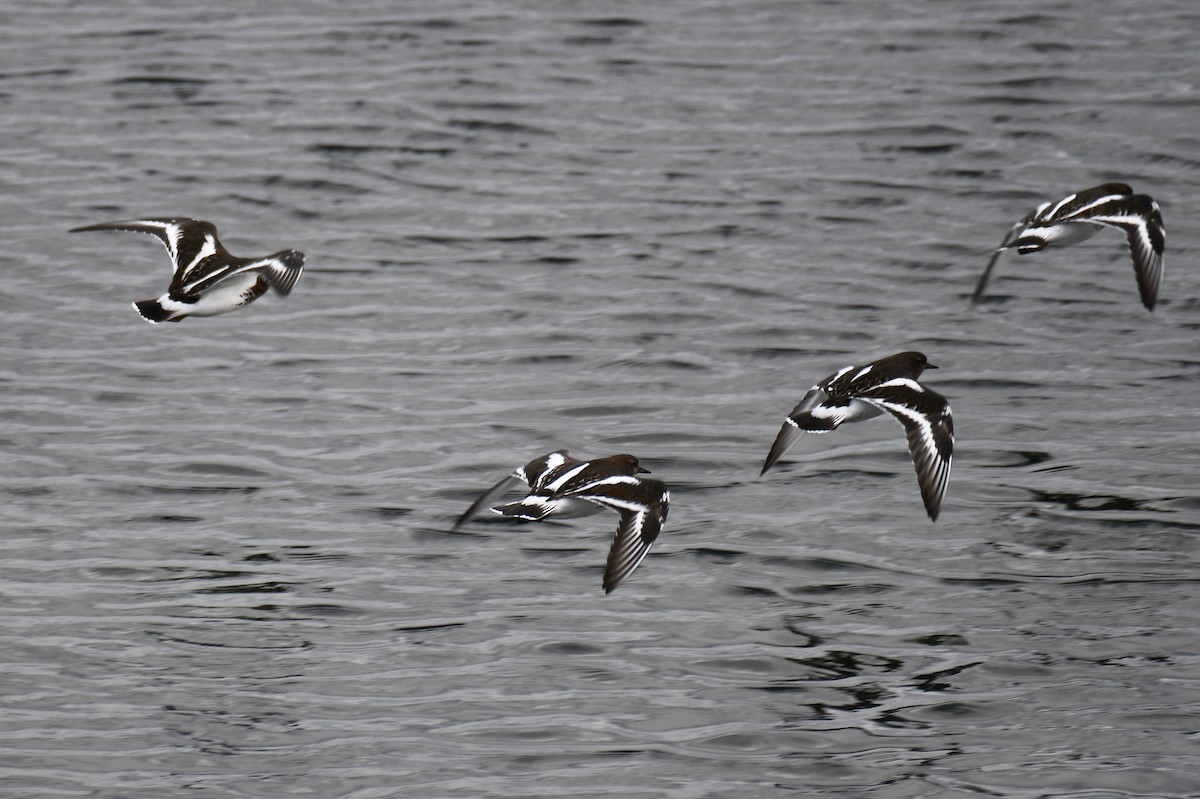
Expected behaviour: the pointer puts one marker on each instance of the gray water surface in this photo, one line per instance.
(639, 227)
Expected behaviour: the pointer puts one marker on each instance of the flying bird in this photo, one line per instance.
(1082, 215)
(854, 393)
(562, 486)
(208, 280)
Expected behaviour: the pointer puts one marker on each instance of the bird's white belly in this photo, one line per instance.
(859, 410)
(1067, 233)
(573, 508)
(222, 298)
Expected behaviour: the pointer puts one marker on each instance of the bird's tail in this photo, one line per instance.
(532, 508)
(154, 312)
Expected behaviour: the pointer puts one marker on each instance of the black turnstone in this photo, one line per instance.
(890, 384)
(564, 486)
(1080, 216)
(208, 280)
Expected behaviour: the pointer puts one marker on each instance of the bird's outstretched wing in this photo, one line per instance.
(928, 423)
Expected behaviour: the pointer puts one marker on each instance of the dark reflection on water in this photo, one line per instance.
(228, 566)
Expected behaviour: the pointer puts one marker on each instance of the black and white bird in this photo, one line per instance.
(567, 487)
(208, 280)
(854, 393)
(1082, 215)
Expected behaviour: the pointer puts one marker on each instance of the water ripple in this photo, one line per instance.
(228, 564)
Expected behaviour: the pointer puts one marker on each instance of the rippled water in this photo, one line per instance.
(619, 227)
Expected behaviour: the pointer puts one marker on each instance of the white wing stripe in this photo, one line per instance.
(620, 504)
(565, 476)
(205, 251)
(1047, 212)
(898, 382)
